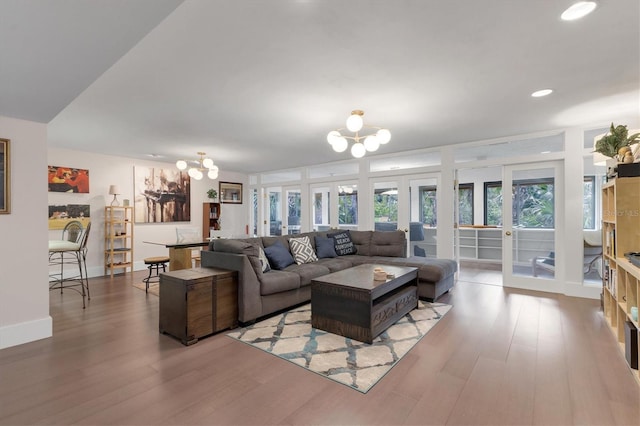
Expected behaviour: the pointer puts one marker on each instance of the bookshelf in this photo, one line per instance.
(621, 279)
(210, 218)
(118, 239)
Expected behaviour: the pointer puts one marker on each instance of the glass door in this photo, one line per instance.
(342, 214)
(423, 215)
(347, 194)
(385, 205)
(292, 210)
(273, 214)
(530, 211)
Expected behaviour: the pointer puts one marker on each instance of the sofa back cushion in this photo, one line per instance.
(362, 240)
(251, 250)
(389, 243)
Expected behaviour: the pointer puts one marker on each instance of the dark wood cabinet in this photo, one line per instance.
(197, 302)
(210, 218)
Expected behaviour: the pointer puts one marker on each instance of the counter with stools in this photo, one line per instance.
(154, 263)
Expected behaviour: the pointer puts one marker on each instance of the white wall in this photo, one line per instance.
(24, 290)
(105, 170)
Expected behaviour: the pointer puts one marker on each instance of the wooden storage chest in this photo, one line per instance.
(197, 302)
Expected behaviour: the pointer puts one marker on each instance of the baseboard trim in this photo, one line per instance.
(581, 290)
(25, 332)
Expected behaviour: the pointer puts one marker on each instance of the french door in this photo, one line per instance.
(334, 205)
(531, 209)
(283, 212)
(409, 203)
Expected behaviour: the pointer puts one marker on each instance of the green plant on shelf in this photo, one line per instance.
(617, 143)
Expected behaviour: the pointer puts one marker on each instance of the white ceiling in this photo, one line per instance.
(258, 84)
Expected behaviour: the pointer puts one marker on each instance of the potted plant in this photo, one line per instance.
(212, 193)
(617, 144)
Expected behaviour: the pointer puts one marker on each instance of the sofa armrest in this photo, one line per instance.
(249, 302)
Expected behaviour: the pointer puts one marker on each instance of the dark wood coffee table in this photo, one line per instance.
(352, 304)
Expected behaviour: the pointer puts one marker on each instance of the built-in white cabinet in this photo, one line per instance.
(485, 244)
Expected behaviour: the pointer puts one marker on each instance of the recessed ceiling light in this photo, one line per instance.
(155, 155)
(578, 10)
(541, 93)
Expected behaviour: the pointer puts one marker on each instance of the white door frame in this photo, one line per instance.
(554, 284)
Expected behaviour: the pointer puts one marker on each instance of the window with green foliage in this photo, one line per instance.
(348, 208)
(428, 205)
(533, 203)
(465, 204)
(293, 204)
(385, 205)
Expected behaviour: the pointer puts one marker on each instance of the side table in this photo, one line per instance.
(197, 302)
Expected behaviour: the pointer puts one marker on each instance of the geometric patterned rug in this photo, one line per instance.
(350, 362)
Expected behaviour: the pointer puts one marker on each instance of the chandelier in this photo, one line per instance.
(370, 141)
(204, 164)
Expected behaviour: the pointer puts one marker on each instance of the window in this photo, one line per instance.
(428, 205)
(254, 211)
(385, 203)
(465, 204)
(348, 205)
(533, 203)
(589, 202)
(493, 203)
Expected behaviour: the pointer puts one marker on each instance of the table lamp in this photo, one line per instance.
(114, 190)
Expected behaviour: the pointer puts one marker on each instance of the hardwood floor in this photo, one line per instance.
(500, 356)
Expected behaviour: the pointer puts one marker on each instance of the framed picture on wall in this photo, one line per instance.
(230, 192)
(161, 195)
(61, 215)
(5, 177)
(68, 179)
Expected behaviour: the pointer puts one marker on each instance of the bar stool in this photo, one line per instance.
(71, 250)
(154, 263)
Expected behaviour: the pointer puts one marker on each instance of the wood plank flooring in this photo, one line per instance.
(500, 357)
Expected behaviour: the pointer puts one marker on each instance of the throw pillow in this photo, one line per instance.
(302, 250)
(278, 255)
(325, 247)
(264, 262)
(343, 243)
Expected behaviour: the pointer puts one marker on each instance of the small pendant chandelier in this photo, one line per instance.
(204, 164)
(370, 141)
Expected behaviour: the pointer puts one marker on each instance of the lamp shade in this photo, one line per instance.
(114, 190)
(355, 122)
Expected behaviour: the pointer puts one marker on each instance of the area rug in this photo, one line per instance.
(154, 288)
(355, 364)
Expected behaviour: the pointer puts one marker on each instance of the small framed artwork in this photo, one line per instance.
(231, 192)
(5, 177)
(68, 179)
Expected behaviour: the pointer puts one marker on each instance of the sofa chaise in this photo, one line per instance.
(264, 289)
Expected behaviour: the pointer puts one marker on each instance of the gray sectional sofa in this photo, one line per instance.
(263, 293)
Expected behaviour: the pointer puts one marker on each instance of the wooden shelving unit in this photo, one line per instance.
(485, 244)
(118, 239)
(210, 218)
(621, 234)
